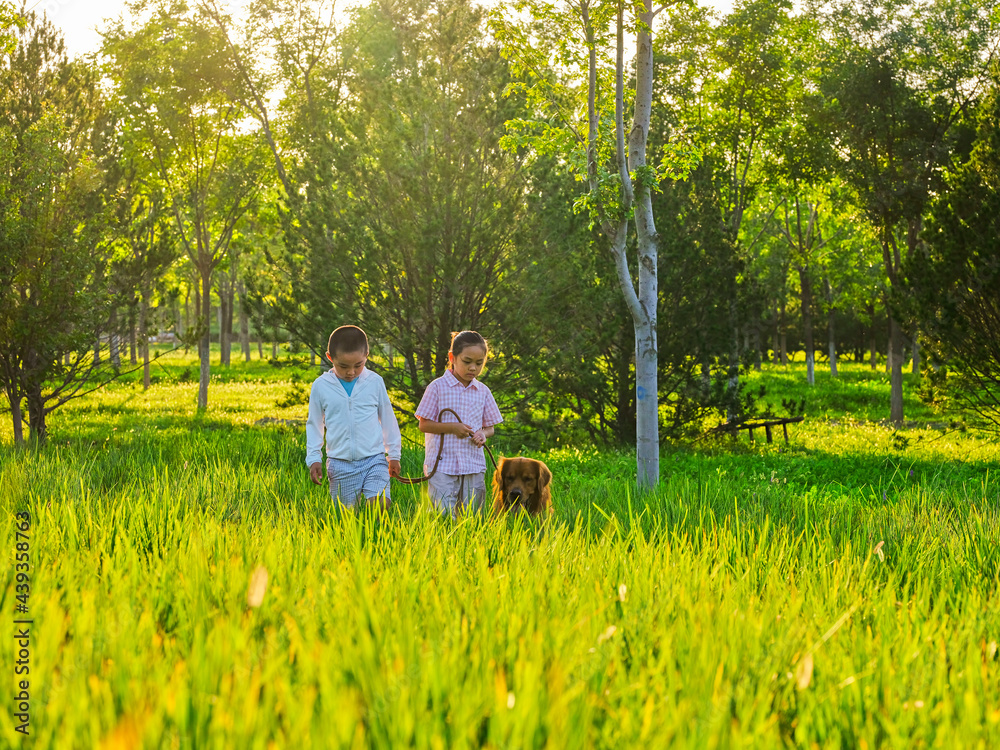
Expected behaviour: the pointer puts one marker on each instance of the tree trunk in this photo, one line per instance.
(757, 345)
(783, 334)
(260, 345)
(833, 347)
(116, 360)
(274, 345)
(872, 341)
(831, 334)
(891, 350)
(227, 295)
(733, 383)
(244, 322)
(916, 356)
(131, 336)
(896, 373)
(205, 340)
(230, 305)
(37, 429)
(197, 303)
(647, 417)
(220, 322)
(220, 319)
(144, 339)
(16, 417)
(806, 285)
(187, 314)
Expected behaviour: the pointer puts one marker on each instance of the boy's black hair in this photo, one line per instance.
(347, 339)
(465, 339)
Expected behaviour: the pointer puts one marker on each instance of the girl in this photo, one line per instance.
(460, 475)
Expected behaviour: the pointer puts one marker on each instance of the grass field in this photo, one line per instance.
(841, 591)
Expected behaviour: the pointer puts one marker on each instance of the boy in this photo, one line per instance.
(351, 403)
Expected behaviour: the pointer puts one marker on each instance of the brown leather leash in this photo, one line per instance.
(419, 480)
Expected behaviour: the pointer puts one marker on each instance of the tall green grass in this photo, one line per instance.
(841, 591)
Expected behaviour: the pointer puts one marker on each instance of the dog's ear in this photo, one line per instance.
(544, 475)
(498, 477)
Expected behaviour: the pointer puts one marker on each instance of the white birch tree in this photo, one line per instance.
(563, 54)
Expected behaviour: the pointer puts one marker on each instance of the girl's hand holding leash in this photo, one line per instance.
(479, 438)
(461, 430)
(394, 469)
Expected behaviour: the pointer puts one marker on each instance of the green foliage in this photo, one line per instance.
(403, 211)
(698, 270)
(955, 276)
(184, 132)
(10, 20)
(895, 77)
(567, 334)
(54, 256)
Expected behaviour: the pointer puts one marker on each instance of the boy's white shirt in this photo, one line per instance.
(357, 426)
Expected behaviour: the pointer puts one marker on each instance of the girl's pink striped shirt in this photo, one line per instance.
(478, 409)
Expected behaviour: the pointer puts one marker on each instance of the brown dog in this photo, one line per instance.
(522, 483)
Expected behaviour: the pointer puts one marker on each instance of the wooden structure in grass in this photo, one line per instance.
(767, 425)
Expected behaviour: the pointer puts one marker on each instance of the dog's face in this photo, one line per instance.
(521, 483)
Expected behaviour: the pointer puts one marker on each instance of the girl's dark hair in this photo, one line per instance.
(347, 339)
(465, 339)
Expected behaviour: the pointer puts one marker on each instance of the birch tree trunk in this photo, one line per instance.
(635, 198)
(644, 315)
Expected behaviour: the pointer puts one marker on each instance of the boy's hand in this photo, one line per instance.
(479, 438)
(394, 468)
(462, 430)
(316, 473)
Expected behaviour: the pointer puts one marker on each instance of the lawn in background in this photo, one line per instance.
(838, 591)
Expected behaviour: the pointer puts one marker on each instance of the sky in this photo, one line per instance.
(80, 19)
